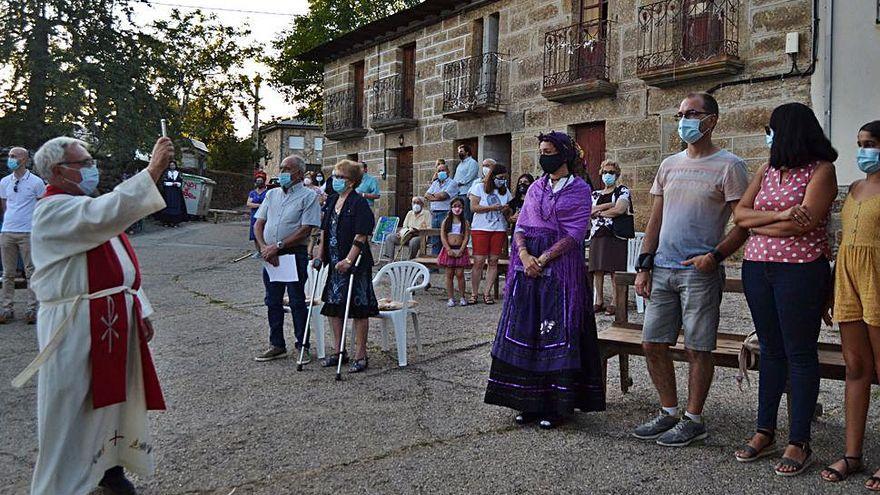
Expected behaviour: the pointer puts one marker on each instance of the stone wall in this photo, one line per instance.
(231, 191)
(640, 129)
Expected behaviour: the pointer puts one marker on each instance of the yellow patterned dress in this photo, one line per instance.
(857, 275)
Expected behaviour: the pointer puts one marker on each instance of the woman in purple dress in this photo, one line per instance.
(545, 360)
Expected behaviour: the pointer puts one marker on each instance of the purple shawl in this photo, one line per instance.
(558, 221)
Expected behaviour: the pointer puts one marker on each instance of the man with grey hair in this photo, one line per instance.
(19, 192)
(96, 375)
(284, 223)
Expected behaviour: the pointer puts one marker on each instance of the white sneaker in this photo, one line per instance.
(462, 302)
(450, 303)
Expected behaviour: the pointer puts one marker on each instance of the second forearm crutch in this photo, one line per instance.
(345, 318)
(316, 263)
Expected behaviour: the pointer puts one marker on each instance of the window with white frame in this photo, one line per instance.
(296, 142)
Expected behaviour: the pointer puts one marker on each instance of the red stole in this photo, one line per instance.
(109, 328)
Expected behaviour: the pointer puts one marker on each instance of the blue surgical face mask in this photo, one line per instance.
(442, 176)
(609, 179)
(12, 163)
(338, 185)
(689, 130)
(768, 138)
(89, 179)
(284, 179)
(869, 160)
(499, 183)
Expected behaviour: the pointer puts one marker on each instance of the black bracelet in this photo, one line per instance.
(717, 255)
(645, 262)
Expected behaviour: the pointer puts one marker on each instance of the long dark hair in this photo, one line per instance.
(447, 222)
(531, 178)
(489, 180)
(798, 139)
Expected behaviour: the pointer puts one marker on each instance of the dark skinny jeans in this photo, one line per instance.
(786, 301)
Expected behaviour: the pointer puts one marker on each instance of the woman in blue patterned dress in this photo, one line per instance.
(345, 230)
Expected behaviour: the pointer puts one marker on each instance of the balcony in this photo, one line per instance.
(393, 104)
(576, 63)
(343, 115)
(688, 39)
(474, 87)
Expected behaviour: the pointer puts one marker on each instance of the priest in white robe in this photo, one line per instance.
(96, 376)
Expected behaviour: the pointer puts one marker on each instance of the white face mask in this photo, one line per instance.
(307, 182)
(485, 171)
(416, 208)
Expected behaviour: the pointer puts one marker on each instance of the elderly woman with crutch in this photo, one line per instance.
(345, 229)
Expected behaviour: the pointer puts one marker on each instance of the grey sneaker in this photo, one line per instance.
(272, 353)
(683, 434)
(654, 428)
(306, 357)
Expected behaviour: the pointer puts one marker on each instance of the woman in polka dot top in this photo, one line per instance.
(787, 277)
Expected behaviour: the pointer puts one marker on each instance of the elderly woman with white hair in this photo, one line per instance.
(418, 218)
(96, 376)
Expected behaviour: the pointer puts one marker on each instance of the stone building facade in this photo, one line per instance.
(291, 136)
(406, 90)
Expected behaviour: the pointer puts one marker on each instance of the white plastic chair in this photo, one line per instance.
(319, 278)
(405, 278)
(634, 248)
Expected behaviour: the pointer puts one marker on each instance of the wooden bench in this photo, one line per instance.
(624, 338)
(430, 261)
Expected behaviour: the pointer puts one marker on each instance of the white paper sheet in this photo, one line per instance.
(285, 271)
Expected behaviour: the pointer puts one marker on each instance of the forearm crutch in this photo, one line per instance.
(345, 319)
(316, 263)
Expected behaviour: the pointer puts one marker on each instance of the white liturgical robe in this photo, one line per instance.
(78, 442)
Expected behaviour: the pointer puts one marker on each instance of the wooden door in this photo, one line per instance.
(404, 185)
(358, 94)
(591, 137)
(409, 80)
(593, 16)
(703, 32)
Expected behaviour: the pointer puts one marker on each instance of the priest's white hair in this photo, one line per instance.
(51, 153)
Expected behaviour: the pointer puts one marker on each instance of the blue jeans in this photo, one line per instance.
(786, 301)
(298, 309)
(436, 220)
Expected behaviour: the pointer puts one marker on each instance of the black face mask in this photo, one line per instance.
(522, 188)
(462, 156)
(551, 163)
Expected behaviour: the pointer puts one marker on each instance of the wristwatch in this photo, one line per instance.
(279, 244)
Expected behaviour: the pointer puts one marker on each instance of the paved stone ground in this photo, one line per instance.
(235, 425)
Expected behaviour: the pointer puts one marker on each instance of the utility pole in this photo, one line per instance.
(257, 81)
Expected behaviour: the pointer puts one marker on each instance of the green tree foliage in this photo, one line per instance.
(83, 68)
(302, 82)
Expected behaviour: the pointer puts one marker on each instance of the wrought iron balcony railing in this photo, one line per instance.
(474, 85)
(392, 103)
(343, 114)
(675, 34)
(576, 53)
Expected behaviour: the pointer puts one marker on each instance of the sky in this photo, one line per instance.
(264, 28)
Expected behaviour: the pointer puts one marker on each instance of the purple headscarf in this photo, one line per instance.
(564, 144)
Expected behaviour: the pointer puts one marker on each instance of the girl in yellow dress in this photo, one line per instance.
(857, 302)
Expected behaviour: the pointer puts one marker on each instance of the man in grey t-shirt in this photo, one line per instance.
(680, 270)
(284, 222)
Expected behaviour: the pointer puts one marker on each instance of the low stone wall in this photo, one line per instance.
(231, 191)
